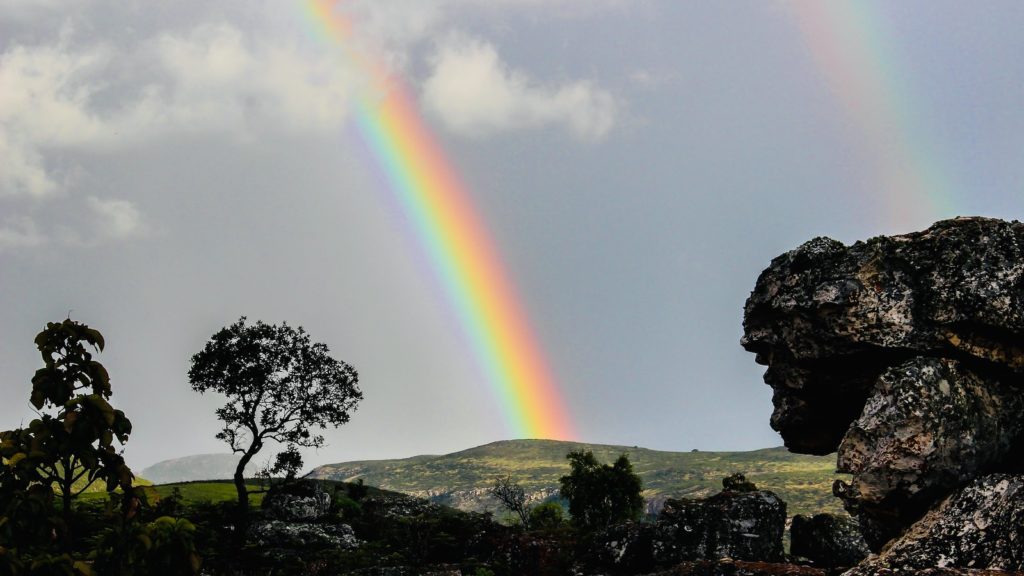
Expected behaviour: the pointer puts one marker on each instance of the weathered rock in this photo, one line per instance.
(905, 353)
(828, 540)
(303, 502)
(827, 319)
(980, 526)
(929, 426)
(738, 525)
(302, 535)
(738, 568)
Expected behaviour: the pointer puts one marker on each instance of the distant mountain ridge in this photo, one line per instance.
(462, 479)
(195, 467)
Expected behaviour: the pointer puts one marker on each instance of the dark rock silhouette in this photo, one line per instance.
(740, 525)
(827, 540)
(906, 355)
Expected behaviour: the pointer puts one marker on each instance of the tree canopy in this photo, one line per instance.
(600, 495)
(280, 386)
(70, 445)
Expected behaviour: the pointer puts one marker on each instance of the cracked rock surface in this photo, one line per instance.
(978, 526)
(903, 353)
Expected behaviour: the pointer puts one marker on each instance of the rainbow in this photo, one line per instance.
(856, 57)
(456, 242)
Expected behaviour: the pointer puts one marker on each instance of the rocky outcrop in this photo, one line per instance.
(906, 355)
(980, 525)
(294, 518)
(740, 525)
(738, 568)
(929, 425)
(827, 540)
(301, 503)
(302, 535)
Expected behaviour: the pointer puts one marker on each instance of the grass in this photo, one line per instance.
(804, 482)
(195, 492)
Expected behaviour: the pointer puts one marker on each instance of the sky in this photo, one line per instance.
(169, 167)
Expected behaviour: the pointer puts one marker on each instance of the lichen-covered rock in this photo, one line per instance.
(928, 426)
(737, 525)
(828, 319)
(303, 502)
(738, 568)
(980, 526)
(302, 535)
(746, 525)
(827, 540)
(905, 353)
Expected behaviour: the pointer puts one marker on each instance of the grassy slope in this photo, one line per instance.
(194, 492)
(804, 482)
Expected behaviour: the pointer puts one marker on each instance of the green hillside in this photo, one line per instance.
(461, 479)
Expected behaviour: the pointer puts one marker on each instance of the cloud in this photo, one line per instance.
(219, 77)
(20, 232)
(44, 104)
(475, 94)
(209, 79)
(70, 96)
(116, 219)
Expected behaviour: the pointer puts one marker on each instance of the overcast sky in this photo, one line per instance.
(166, 167)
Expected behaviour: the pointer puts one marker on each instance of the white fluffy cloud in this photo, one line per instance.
(44, 103)
(220, 78)
(66, 96)
(212, 78)
(475, 94)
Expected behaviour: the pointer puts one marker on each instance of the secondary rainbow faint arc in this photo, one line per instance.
(461, 251)
(855, 56)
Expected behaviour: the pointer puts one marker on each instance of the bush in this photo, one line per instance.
(546, 516)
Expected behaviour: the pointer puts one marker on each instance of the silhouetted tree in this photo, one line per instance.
(511, 496)
(61, 453)
(70, 446)
(279, 386)
(598, 494)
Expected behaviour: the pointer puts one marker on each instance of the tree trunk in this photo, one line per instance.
(243, 493)
(66, 481)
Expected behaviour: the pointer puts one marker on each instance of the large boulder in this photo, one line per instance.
(905, 354)
(301, 502)
(978, 526)
(827, 540)
(745, 524)
(929, 425)
(739, 568)
(278, 534)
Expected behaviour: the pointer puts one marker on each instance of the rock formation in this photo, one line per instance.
(906, 355)
(827, 540)
(982, 523)
(739, 523)
(291, 520)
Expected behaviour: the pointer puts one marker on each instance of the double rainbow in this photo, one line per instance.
(455, 240)
(855, 54)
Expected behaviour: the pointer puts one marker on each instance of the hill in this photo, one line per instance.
(462, 479)
(194, 468)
